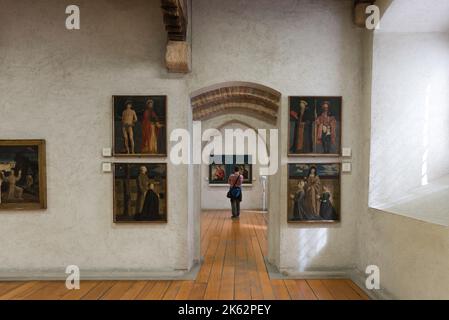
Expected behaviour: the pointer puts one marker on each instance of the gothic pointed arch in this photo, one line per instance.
(246, 98)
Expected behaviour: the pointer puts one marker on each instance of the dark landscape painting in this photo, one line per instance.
(140, 192)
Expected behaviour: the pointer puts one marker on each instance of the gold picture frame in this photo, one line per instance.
(126, 193)
(23, 175)
(303, 140)
(148, 128)
(314, 201)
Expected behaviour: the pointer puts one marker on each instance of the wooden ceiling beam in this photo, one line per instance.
(175, 19)
(177, 55)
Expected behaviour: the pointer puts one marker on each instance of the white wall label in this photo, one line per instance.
(107, 167)
(346, 152)
(346, 167)
(72, 22)
(107, 152)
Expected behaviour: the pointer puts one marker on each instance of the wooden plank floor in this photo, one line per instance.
(233, 268)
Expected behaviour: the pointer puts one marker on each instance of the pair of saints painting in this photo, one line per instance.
(315, 126)
(314, 130)
(22, 175)
(140, 126)
(140, 189)
(222, 166)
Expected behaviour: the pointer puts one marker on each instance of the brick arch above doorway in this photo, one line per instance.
(247, 98)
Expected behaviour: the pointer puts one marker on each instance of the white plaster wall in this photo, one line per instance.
(57, 85)
(409, 145)
(411, 254)
(299, 48)
(214, 197)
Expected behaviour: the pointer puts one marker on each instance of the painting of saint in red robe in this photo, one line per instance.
(326, 129)
(218, 173)
(302, 118)
(150, 129)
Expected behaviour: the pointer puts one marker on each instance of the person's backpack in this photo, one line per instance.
(235, 192)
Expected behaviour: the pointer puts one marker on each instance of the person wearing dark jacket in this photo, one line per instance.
(235, 181)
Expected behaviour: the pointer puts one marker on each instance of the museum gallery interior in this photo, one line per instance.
(130, 129)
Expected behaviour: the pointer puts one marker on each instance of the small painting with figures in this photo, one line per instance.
(22, 175)
(218, 173)
(140, 192)
(314, 192)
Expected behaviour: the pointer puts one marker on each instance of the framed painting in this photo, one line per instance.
(246, 170)
(222, 166)
(218, 173)
(140, 192)
(315, 126)
(314, 193)
(139, 126)
(23, 184)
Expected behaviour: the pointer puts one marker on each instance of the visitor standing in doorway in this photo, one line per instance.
(235, 182)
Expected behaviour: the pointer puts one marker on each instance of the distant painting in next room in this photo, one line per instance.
(22, 175)
(140, 125)
(140, 192)
(218, 173)
(222, 166)
(315, 126)
(314, 192)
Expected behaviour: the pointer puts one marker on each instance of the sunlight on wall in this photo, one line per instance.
(409, 144)
(311, 242)
(425, 134)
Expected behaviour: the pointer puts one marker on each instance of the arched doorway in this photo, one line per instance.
(253, 106)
